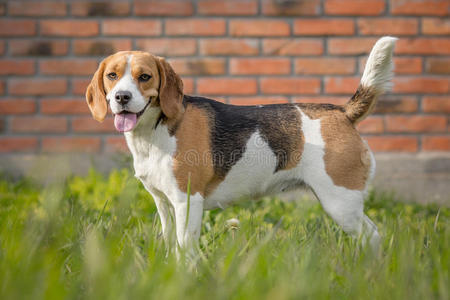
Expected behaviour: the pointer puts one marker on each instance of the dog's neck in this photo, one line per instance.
(148, 119)
(150, 133)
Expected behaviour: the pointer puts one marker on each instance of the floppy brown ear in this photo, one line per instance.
(170, 90)
(96, 96)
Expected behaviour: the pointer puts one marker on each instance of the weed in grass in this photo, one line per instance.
(97, 237)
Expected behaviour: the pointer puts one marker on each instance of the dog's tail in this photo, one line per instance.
(374, 82)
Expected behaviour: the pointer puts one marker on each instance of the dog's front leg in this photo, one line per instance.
(165, 212)
(188, 219)
(166, 216)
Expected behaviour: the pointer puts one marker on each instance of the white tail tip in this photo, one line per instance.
(379, 66)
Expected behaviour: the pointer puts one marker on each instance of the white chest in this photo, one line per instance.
(153, 158)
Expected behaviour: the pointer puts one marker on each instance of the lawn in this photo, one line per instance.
(97, 237)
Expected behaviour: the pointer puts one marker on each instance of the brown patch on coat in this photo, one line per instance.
(361, 104)
(116, 63)
(145, 63)
(347, 158)
(318, 110)
(193, 159)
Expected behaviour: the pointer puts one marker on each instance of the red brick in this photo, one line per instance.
(402, 65)
(227, 8)
(2, 8)
(341, 85)
(39, 124)
(57, 106)
(416, 123)
(436, 26)
(68, 67)
(438, 65)
(18, 144)
(79, 86)
(100, 46)
(258, 100)
(2, 87)
(229, 47)
(427, 46)
(267, 66)
(2, 125)
(37, 9)
(371, 125)
(290, 86)
(324, 27)
(226, 86)
(116, 144)
(259, 28)
(424, 85)
(102, 8)
(132, 27)
(436, 143)
(69, 28)
(324, 65)
(89, 125)
(188, 85)
(163, 8)
(436, 104)
(168, 47)
(392, 143)
(208, 27)
(372, 26)
(17, 28)
(396, 104)
(198, 66)
(292, 47)
(321, 99)
(407, 65)
(38, 48)
(37, 87)
(2, 47)
(420, 8)
(354, 7)
(16, 67)
(70, 144)
(16, 106)
(291, 8)
(350, 46)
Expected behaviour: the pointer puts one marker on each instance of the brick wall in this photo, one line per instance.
(240, 52)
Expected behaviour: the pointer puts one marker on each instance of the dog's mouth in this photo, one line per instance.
(126, 120)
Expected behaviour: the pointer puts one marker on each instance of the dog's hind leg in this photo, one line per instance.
(345, 207)
(343, 204)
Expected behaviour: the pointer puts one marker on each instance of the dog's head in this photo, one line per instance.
(131, 81)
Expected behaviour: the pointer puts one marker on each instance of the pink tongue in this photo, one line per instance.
(125, 121)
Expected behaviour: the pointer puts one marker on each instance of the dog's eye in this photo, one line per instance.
(144, 77)
(112, 76)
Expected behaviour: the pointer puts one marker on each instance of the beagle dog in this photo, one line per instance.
(221, 153)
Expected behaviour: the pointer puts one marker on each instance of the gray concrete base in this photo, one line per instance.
(423, 177)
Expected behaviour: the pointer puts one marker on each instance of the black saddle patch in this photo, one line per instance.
(232, 126)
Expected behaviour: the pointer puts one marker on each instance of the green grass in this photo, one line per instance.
(97, 237)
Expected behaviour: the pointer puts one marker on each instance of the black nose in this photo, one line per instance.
(123, 97)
